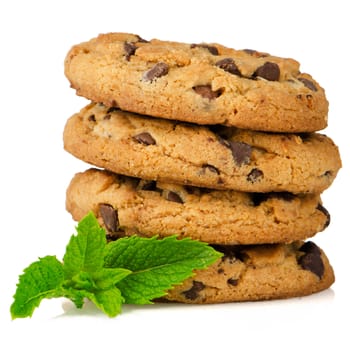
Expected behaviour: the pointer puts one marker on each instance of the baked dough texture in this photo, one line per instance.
(127, 206)
(198, 83)
(213, 157)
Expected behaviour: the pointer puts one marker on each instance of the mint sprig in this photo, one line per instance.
(131, 270)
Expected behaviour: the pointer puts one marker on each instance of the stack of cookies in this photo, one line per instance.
(207, 142)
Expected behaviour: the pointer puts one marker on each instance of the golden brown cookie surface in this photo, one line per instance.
(198, 83)
(213, 157)
(248, 273)
(129, 206)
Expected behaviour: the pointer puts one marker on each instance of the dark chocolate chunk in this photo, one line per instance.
(256, 53)
(228, 65)
(141, 40)
(92, 118)
(212, 49)
(157, 71)
(308, 83)
(206, 92)
(326, 213)
(310, 247)
(145, 138)
(311, 260)
(211, 168)
(129, 49)
(241, 152)
(232, 281)
(109, 216)
(255, 175)
(250, 51)
(193, 292)
(174, 197)
(269, 71)
(231, 252)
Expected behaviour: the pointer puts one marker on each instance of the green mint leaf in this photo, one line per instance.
(81, 281)
(84, 251)
(109, 277)
(41, 279)
(157, 264)
(130, 270)
(109, 301)
(77, 296)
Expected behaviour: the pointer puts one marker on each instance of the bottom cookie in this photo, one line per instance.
(251, 273)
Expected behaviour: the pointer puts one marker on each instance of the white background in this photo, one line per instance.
(36, 100)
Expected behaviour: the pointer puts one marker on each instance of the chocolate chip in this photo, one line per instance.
(255, 175)
(231, 252)
(311, 260)
(193, 292)
(310, 247)
(241, 152)
(141, 40)
(206, 92)
(129, 49)
(322, 209)
(269, 71)
(250, 51)
(308, 83)
(157, 71)
(211, 168)
(107, 117)
(109, 216)
(212, 49)
(228, 65)
(232, 281)
(92, 118)
(174, 197)
(145, 138)
(256, 53)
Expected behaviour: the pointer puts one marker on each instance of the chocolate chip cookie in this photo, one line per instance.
(198, 83)
(247, 273)
(213, 157)
(127, 206)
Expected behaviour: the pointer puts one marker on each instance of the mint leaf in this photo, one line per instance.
(84, 251)
(157, 264)
(41, 279)
(130, 270)
(109, 301)
(107, 278)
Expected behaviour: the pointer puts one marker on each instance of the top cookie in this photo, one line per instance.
(198, 83)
